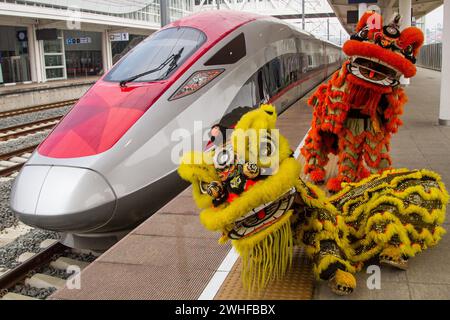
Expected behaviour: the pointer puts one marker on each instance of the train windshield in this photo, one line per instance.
(153, 52)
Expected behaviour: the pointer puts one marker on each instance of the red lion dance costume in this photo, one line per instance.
(356, 112)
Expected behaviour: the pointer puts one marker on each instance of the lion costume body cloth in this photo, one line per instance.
(391, 216)
(358, 110)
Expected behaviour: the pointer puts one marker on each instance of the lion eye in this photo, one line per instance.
(391, 31)
(363, 33)
(408, 49)
(215, 189)
(203, 187)
(223, 158)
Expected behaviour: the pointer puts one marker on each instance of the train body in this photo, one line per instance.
(107, 166)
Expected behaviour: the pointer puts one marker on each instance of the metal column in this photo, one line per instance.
(303, 14)
(328, 29)
(165, 14)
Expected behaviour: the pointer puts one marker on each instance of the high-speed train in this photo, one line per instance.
(108, 165)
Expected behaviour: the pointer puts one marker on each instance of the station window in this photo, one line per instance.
(14, 60)
(54, 62)
(230, 53)
(83, 53)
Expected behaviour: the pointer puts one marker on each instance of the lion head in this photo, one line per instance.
(382, 54)
(247, 184)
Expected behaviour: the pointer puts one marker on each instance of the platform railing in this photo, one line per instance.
(430, 56)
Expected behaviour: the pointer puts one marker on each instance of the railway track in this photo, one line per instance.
(13, 161)
(60, 104)
(39, 274)
(45, 265)
(25, 129)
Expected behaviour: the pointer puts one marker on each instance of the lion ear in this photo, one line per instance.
(412, 36)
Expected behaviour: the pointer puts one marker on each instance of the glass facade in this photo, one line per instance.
(54, 58)
(83, 53)
(60, 53)
(14, 59)
(141, 10)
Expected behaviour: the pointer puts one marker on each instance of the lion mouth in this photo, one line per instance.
(262, 216)
(374, 70)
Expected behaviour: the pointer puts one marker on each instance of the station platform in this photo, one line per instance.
(26, 95)
(33, 86)
(171, 256)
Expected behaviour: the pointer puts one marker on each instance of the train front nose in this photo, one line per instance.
(63, 199)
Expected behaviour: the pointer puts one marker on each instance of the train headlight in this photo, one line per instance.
(197, 81)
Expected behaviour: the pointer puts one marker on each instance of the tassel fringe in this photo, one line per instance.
(267, 255)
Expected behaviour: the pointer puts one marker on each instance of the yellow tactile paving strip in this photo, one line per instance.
(298, 283)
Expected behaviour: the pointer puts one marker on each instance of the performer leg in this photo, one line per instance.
(350, 161)
(315, 151)
(376, 152)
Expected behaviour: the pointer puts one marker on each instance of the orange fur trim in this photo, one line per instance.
(334, 184)
(411, 36)
(370, 50)
(329, 134)
(317, 175)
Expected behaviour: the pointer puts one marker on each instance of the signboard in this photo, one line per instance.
(47, 34)
(119, 36)
(81, 40)
(352, 16)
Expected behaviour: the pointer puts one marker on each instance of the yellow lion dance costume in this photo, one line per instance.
(250, 191)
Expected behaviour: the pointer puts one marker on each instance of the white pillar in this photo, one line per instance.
(362, 8)
(106, 51)
(405, 12)
(32, 52)
(36, 55)
(444, 110)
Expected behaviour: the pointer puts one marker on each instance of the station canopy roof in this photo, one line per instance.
(340, 7)
(106, 6)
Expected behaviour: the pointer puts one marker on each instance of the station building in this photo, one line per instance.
(44, 40)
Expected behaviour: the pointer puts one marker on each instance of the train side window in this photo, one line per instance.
(231, 53)
(267, 81)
